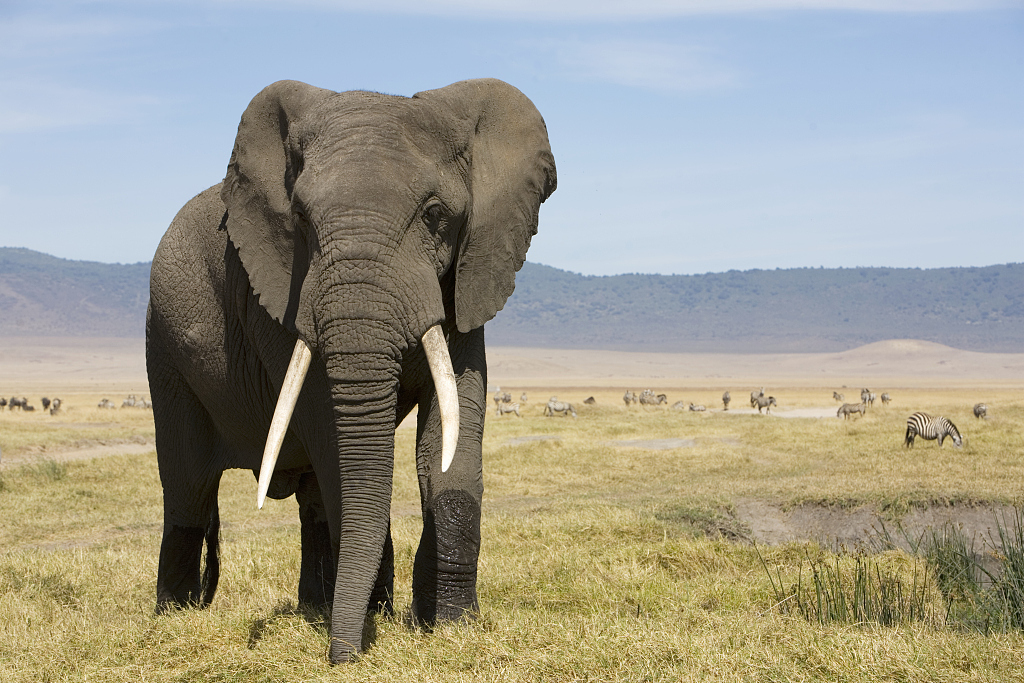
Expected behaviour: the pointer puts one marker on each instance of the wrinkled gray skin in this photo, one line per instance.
(354, 221)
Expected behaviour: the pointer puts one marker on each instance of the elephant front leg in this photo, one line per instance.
(445, 570)
(317, 570)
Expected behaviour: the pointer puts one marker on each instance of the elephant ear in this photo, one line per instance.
(257, 194)
(512, 172)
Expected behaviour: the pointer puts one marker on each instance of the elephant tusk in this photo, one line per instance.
(290, 389)
(447, 393)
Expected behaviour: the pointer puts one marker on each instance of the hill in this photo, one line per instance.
(798, 310)
(794, 310)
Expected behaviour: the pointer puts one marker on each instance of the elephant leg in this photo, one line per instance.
(445, 569)
(316, 575)
(186, 444)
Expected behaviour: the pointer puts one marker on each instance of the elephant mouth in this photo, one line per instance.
(440, 363)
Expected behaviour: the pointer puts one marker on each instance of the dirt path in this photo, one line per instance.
(86, 452)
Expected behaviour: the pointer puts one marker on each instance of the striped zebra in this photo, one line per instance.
(556, 406)
(981, 411)
(506, 408)
(629, 397)
(766, 403)
(931, 428)
(848, 409)
(837, 396)
(725, 400)
(885, 398)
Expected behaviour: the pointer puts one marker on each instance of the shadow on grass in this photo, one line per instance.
(318, 618)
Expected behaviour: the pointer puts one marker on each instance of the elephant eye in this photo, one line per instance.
(433, 213)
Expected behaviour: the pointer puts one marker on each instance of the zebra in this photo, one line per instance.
(678, 405)
(506, 408)
(885, 398)
(848, 409)
(755, 396)
(839, 397)
(629, 397)
(590, 400)
(500, 398)
(522, 397)
(766, 403)
(697, 409)
(556, 406)
(931, 428)
(55, 406)
(725, 400)
(867, 397)
(648, 398)
(981, 411)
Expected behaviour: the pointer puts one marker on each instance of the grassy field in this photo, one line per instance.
(602, 557)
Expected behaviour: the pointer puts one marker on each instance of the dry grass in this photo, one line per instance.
(593, 566)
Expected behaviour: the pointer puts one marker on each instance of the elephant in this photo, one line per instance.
(340, 275)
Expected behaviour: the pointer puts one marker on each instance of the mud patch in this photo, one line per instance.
(863, 527)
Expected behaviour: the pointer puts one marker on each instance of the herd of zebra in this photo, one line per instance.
(22, 404)
(867, 398)
(919, 424)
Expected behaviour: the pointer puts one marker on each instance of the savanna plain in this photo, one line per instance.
(625, 544)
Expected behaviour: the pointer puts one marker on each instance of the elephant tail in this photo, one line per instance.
(211, 571)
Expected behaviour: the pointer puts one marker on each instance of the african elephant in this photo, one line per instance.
(343, 269)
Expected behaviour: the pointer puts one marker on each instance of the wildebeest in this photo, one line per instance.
(725, 400)
(848, 409)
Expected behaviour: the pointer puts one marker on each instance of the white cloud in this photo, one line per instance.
(641, 64)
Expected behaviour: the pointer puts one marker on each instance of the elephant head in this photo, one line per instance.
(370, 226)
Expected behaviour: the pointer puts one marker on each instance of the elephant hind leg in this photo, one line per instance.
(182, 581)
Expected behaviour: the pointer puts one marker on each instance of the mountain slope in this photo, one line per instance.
(803, 309)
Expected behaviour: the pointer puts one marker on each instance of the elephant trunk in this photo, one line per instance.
(440, 363)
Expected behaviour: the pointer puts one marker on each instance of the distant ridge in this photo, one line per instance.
(755, 311)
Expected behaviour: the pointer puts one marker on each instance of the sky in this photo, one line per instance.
(690, 136)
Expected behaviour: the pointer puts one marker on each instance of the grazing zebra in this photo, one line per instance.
(556, 406)
(931, 428)
(885, 398)
(505, 408)
(629, 397)
(837, 396)
(981, 411)
(697, 409)
(725, 400)
(848, 409)
(766, 403)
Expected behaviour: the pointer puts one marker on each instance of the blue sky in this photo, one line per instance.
(690, 137)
